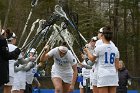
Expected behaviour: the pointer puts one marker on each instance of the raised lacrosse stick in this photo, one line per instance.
(65, 39)
(53, 18)
(33, 4)
(32, 29)
(59, 11)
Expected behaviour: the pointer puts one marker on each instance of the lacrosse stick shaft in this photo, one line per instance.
(77, 30)
(33, 4)
(26, 24)
(68, 44)
(42, 51)
(59, 11)
(36, 40)
(32, 29)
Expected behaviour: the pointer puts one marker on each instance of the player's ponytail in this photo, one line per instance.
(108, 34)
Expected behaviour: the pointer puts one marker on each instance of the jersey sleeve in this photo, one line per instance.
(51, 52)
(72, 59)
(117, 53)
(96, 51)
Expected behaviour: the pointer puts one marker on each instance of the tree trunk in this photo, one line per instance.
(116, 5)
(7, 14)
(125, 37)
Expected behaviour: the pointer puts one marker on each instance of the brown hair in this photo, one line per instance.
(108, 34)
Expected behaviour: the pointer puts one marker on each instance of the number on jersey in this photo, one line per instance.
(112, 58)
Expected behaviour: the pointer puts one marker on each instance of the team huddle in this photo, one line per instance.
(100, 66)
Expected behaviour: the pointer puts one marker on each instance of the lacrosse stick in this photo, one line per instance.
(32, 29)
(40, 36)
(0, 28)
(51, 41)
(53, 18)
(65, 39)
(41, 22)
(59, 11)
(33, 4)
(51, 38)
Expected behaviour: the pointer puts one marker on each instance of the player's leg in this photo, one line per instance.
(66, 87)
(7, 89)
(81, 90)
(112, 89)
(8, 86)
(81, 87)
(57, 82)
(95, 89)
(103, 90)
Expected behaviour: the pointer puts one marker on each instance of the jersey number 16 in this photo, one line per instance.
(112, 57)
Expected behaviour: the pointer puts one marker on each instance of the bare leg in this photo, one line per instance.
(81, 90)
(7, 89)
(66, 87)
(57, 82)
(112, 89)
(103, 90)
(95, 89)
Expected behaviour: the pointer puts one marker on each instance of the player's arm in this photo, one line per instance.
(90, 56)
(75, 72)
(45, 55)
(117, 60)
(37, 82)
(117, 63)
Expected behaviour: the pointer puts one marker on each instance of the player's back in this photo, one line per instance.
(106, 55)
(107, 73)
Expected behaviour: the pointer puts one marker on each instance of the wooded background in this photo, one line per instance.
(122, 15)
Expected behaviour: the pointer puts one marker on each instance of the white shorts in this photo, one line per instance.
(94, 79)
(107, 77)
(19, 81)
(10, 83)
(66, 77)
(107, 81)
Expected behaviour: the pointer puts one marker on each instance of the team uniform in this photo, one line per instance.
(106, 73)
(100, 42)
(86, 76)
(94, 78)
(29, 79)
(87, 71)
(19, 80)
(62, 66)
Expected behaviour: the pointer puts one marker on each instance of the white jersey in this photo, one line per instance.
(11, 62)
(19, 80)
(62, 64)
(106, 71)
(100, 42)
(30, 74)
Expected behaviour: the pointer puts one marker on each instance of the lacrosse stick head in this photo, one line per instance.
(34, 3)
(63, 25)
(60, 11)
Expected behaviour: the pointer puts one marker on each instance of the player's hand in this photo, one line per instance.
(38, 84)
(80, 65)
(71, 88)
(85, 49)
(32, 58)
(46, 48)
